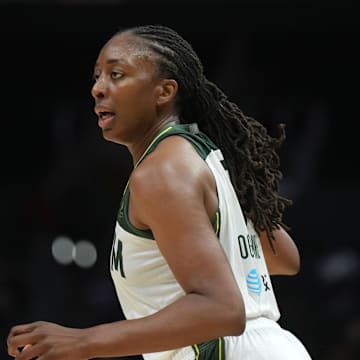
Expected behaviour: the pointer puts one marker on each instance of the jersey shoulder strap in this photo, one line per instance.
(201, 143)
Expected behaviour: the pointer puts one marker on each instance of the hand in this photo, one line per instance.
(46, 341)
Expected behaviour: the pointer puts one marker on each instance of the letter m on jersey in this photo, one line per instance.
(116, 258)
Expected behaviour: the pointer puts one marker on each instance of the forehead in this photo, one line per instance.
(126, 47)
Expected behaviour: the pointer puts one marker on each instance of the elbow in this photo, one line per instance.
(284, 268)
(236, 318)
(292, 268)
(286, 258)
(295, 268)
(238, 328)
(238, 324)
(288, 263)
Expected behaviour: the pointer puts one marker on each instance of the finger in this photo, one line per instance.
(29, 352)
(19, 341)
(19, 329)
(22, 349)
(13, 352)
(16, 331)
(26, 347)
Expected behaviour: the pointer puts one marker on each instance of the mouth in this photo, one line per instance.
(105, 118)
(103, 115)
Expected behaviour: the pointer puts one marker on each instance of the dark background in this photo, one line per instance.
(292, 62)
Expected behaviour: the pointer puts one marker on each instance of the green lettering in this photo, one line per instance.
(242, 246)
(117, 260)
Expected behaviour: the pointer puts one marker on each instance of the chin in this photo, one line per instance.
(109, 136)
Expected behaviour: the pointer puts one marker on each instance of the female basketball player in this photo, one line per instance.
(199, 229)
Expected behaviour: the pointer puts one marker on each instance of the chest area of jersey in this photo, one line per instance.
(138, 260)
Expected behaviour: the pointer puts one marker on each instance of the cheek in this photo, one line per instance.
(134, 98)
(137, 101)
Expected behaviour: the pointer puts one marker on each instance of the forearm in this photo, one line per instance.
(192, 319)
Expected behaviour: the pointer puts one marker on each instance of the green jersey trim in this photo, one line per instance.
(126, 224)
(210, 350)
(216, 223)
(202, 144)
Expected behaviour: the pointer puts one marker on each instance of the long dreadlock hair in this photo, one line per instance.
(249, 151)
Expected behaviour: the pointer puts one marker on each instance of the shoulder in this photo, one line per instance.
(174, 165)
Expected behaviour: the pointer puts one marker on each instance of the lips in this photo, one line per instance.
(105, 119)
(105, 116)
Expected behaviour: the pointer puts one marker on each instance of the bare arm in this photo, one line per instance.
(171, 203)
(169, 199)
(286, 259)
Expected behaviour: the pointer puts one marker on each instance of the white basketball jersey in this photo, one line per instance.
(143, 280)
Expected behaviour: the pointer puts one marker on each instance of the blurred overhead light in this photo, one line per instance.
(65, 251)
(84, 254)
(62, 250)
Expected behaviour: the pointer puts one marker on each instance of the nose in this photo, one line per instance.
(98, 91)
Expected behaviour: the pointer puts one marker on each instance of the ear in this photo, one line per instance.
(166, 91)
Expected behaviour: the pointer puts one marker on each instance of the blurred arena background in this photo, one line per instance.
(293, 62)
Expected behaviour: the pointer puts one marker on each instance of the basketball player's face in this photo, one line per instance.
(125, 90)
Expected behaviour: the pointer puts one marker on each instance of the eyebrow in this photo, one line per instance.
(112, 61)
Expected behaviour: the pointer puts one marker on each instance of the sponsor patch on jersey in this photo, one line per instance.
(253, 281)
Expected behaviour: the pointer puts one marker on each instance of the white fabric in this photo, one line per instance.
(264, 339)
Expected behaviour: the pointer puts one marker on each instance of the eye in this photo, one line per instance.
(116, 75)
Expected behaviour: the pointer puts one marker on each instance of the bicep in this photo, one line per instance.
(174, 210)
(286, 259)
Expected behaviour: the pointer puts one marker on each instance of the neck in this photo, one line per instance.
(138, 150)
